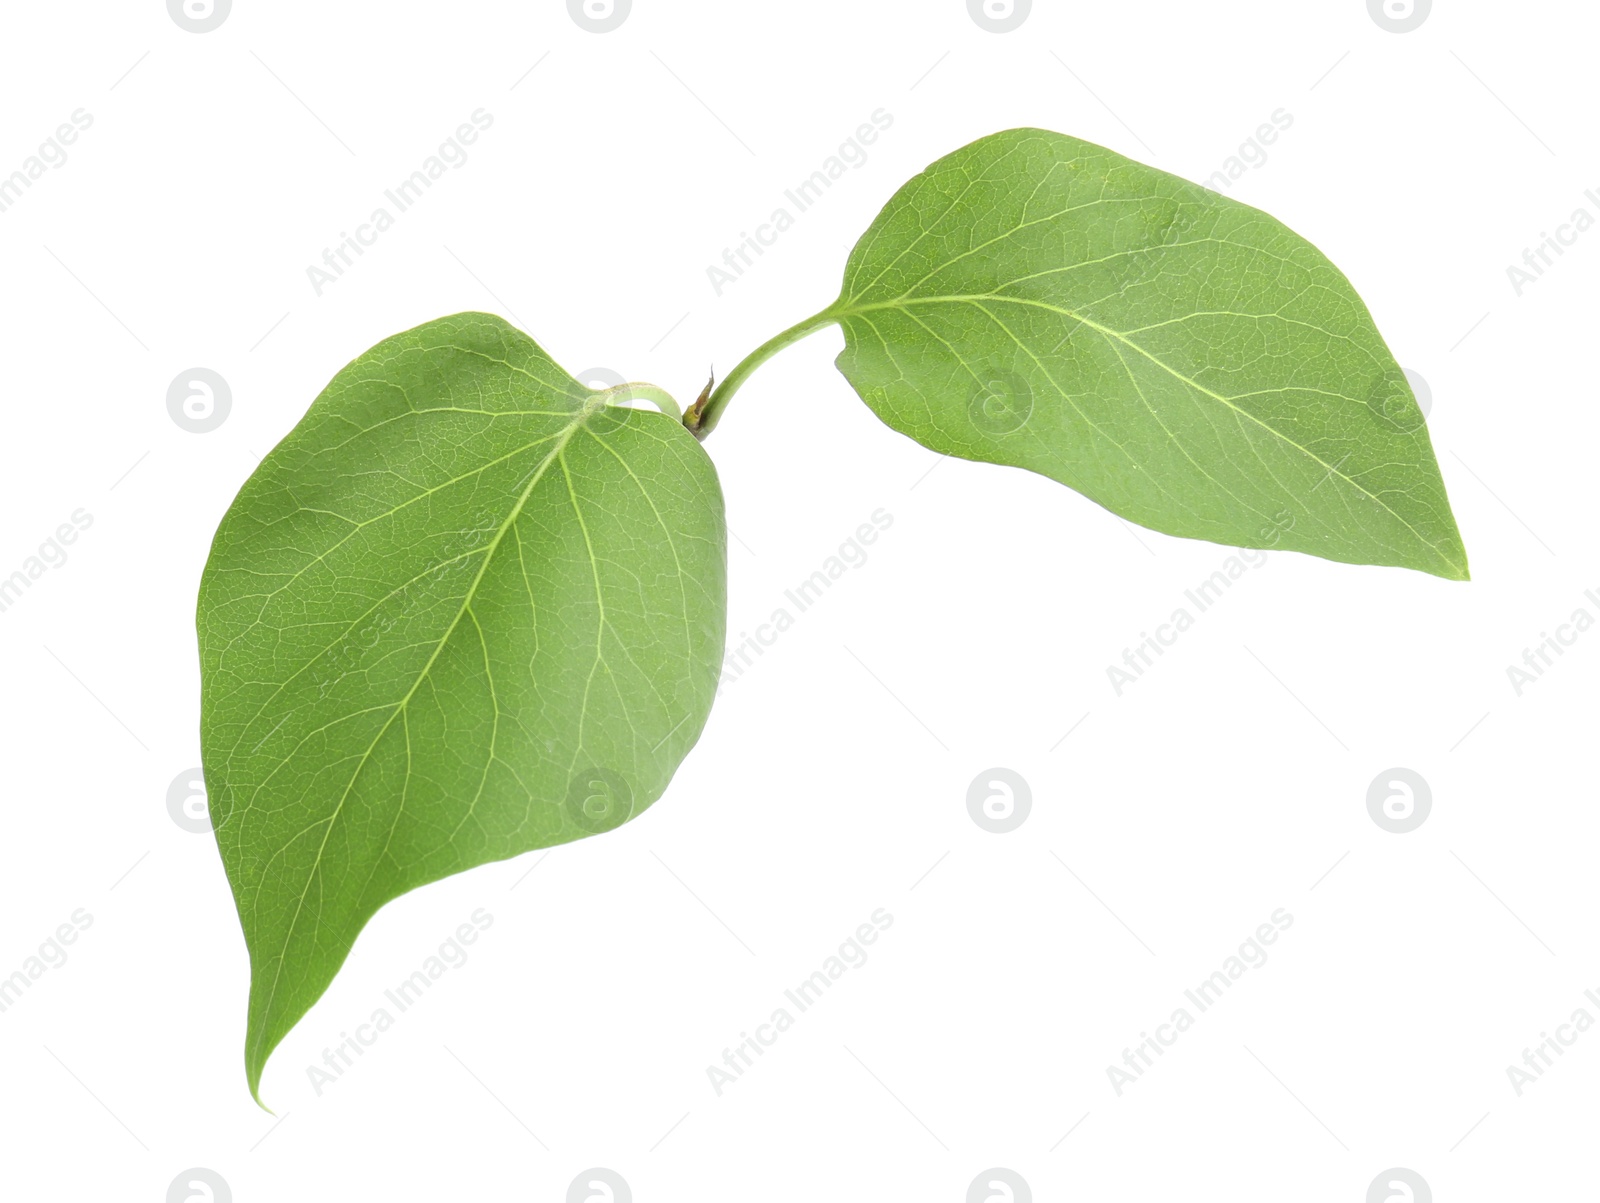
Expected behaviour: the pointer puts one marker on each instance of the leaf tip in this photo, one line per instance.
(254, 1075)
(255, 1064)
(1455, 557)
(1450, 567)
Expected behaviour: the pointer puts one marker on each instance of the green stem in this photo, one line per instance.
(703, 414)
(637, 390)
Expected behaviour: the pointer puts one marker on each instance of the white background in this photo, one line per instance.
(1231, 780)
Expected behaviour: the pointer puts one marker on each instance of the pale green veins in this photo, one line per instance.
(469, 607)
(1186, 361)
(461, 592)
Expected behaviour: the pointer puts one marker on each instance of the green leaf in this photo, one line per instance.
(1186, 361)
(465, 609)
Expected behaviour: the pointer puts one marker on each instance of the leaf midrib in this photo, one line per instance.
(904, 303)
(562, 439)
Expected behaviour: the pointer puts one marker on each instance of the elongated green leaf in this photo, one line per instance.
(463, 610)
(1186, 361)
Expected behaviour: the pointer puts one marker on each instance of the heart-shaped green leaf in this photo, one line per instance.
(465, 609)
(1186, 361)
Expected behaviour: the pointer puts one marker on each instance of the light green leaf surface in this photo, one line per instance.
(1186, 361)
(465, 609)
